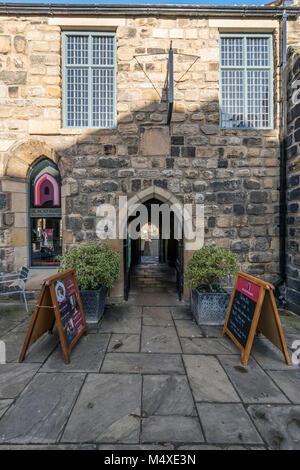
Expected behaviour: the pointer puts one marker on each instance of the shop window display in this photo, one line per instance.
(45, 214)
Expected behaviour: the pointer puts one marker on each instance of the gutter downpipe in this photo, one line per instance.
(283, 159)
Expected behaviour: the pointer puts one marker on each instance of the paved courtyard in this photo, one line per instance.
(147, 378)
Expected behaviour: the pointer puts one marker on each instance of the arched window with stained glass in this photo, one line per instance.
(45, 225)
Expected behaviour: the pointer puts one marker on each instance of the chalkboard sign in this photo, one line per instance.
(252, 309)
(59, 301)
(242, 310)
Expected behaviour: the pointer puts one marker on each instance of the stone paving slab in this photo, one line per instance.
(123, 310)
(212, 331)
(157, 316)
(167, 395)
(4, 405)
(208, 346)
(143, 363)
(124, 343)
(14, 341)
(41, 411)
(37, 352)
(278, 425)
(42, 348)
(208, 380)
(181, 313)
(159, 299)
(12, 316)
(171, 429)
(86, 356)
(219, 427)
(251, 382)
(6, 325)
(215, 447)
(288, 382)
(160, 339)
(14, 378)
(188, 328)
(268, 356)
(291, 337)
(134, 447)
(107, 410)
(115, 323)
(43, 398)
(49, 447)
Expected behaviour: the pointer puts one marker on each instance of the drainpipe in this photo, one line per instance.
(283, 161)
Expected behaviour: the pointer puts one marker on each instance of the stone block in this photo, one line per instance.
(155, 141)
(19, 237)
(5, 44)
(46, 127)
(20, 44)
(13, 77)
(41, 412)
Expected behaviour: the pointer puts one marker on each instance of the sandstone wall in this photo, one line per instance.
(293, 182)
(234, 173)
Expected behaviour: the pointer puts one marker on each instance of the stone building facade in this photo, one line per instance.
(233, 172)
(293, 182)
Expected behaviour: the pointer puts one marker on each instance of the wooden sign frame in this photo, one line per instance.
(47, 312)
(266, 319)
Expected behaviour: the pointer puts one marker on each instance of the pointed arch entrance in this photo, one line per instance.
(154, 261)
(45, 220)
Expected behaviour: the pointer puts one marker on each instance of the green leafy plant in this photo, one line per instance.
(95, 265)
(208, 266)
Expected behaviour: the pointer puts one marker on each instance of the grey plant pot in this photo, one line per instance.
(93, 302)
(209, 308)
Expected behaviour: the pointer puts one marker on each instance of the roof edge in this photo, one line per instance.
(147, 9)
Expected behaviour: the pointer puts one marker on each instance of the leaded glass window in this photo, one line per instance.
(246, 81)
(89, 78)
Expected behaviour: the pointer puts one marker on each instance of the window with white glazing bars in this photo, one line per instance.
(89, 80)
(246, 81)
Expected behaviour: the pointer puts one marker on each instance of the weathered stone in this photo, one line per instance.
(258, 197)
(87, 356)
(143, 363)
(160, 339)
(155, 142)
(41, 412)
(112, 162)
(14, 378)
(5, 44)
(257, 388)
(100, 420)
(13, 78)
(218, 426)
(171, 429)
(279, 425)
(20, 44)
(167, 395)
(240, 247)
(208, 380)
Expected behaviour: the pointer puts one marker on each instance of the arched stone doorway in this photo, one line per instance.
(44, 214)
(15, 175)
(154, 256)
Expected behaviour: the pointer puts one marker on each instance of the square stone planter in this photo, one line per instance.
(93, 302)
(209, 308)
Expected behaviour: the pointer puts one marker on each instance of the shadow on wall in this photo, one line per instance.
(234, 173)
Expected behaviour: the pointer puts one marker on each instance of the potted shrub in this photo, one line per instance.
(205, 270)
(97, 268)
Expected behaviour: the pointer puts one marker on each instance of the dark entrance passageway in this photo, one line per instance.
(153, 264)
